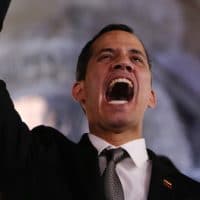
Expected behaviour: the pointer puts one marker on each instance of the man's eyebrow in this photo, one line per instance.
(136, 51)
(105, 50)
(133, 51)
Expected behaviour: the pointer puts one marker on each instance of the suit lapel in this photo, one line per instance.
(90, 169)
(161, 185)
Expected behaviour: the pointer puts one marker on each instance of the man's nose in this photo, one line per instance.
(123, 66)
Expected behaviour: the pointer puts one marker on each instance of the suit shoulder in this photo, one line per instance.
(162, 162)
(48, 136)
(165, 161)
(51, 148)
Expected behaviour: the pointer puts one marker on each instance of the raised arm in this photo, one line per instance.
(14, 134)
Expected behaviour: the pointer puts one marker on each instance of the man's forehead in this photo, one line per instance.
(117, 39)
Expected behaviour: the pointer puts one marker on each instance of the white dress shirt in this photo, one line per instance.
(134, 172)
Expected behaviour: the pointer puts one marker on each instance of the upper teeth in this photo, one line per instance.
(121, 80)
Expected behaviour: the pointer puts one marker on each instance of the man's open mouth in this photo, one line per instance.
(119, 91)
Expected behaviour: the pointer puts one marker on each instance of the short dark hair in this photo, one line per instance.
(87, 49)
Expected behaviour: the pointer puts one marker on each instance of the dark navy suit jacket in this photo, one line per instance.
(43, 164)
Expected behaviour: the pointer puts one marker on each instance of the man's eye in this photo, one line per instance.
(137, 59)
(105, 57)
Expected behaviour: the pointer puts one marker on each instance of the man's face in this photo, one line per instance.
(117, 87)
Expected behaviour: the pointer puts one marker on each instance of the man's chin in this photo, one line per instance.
(118, 125)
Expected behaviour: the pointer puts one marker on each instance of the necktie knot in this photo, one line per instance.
(115, 155)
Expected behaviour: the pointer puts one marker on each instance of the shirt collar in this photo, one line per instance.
(135, 148)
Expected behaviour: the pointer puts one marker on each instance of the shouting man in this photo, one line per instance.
(111, 162)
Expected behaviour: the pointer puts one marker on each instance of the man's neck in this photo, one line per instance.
(118, 138)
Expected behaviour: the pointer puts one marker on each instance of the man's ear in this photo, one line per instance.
(78, 93)
(152, 99)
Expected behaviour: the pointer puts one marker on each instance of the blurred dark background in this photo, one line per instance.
(40, 43)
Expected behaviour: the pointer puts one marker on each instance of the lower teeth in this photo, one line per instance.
(118, 101)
